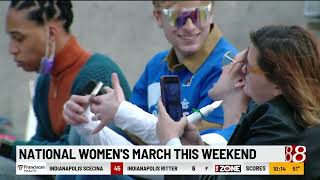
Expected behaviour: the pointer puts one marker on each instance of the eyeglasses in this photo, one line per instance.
(178, 17)
(251, 69)
(228, 57)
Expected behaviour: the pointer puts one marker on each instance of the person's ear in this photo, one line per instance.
(240, 82)
(53, 32)
(157, 17)
(277, 91)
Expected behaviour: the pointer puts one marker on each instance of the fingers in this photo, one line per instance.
(81, 100)
(163, 116)
(117, 87)
(191, 127)
(95, 109)
(160, 106)
(101, 98)
(115, 81)
(162, 110)
(240, 57)
(74, 119)
(162, 123)
(74, 108)
(72, 113)
(108, 89)
(99, 127)
(96, 99)
(96, 117)
(182, 125)
(67, 119)
(183, 121)
(236, 67)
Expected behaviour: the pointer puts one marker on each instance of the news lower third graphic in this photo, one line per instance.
(160, 160)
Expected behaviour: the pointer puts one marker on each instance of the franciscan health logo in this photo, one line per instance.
(20, 167)
(30, 168)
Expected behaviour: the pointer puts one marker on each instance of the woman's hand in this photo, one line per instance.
(167, 128)
(191, 135)
(236, 101)
(229, 88)
(106, 106)
(74, 108)
(230, 79)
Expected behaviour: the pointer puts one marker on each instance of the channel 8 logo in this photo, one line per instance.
(295, 153)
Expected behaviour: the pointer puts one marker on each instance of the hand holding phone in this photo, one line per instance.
(170, 94)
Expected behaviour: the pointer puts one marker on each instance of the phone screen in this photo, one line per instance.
(171, 97)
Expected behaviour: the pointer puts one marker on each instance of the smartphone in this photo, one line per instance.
(93, 88)
(170, 95)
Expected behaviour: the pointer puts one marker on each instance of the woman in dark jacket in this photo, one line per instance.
(280, 72)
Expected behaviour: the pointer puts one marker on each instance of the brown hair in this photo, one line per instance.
(290, 57)
(160, 4)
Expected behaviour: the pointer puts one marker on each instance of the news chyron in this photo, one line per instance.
(160, 160)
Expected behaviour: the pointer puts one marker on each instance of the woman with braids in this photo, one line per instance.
(280, 72)
(41, 41)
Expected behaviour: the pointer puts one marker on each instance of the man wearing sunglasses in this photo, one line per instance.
(196, 57)
(196, 54)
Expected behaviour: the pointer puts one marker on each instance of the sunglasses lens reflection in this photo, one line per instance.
(178, 18)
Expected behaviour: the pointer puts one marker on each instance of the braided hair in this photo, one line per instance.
(42, 11)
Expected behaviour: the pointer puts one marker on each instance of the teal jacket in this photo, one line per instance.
(98, 68)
